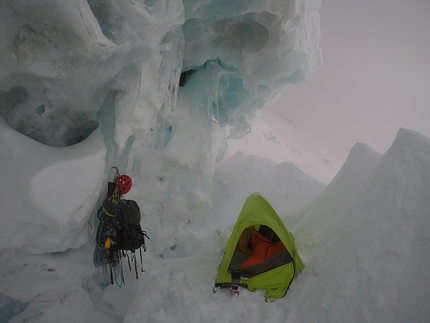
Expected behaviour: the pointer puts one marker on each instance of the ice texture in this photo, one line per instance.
(149, 76)
(153, 87)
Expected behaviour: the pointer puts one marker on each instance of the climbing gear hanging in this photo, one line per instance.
(119, 231)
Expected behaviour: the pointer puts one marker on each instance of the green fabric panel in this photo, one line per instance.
(275, 281)
(258, 211)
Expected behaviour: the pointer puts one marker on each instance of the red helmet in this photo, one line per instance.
(123, 184)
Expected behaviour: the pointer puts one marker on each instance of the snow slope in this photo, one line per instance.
(364, 240)
(366, 254)
(273, 138)
(372, 263)
(284, 184)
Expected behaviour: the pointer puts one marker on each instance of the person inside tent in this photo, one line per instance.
(254, 247)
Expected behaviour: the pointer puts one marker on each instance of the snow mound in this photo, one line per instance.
(33, 207)
(329, 207)
(372, 265)
(284, 184)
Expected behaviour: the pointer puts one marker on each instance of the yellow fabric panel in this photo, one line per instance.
(258, 211)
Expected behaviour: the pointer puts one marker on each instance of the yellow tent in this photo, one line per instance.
(258, 211)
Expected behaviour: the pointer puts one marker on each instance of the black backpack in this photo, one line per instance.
(118, 232)
(131, 235)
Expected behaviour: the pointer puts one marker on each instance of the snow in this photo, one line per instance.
(96, 85)
(33, 207)
(377, 243)
(364, 240)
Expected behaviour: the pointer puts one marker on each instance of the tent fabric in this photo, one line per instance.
(281, 258)
(258, 211)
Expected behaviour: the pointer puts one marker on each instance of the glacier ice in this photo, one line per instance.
(115, 66)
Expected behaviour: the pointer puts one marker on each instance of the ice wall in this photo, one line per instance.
(165, 82)
(251, 50)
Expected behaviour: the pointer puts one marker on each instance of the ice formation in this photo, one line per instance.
(149, 76)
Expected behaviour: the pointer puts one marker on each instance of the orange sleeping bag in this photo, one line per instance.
(262, 249)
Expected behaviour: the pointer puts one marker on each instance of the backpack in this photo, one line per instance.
(119, 232)
(131, 237)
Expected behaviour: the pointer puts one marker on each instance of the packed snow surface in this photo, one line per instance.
(91, 84)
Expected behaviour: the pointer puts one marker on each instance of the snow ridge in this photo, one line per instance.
(373, 264)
